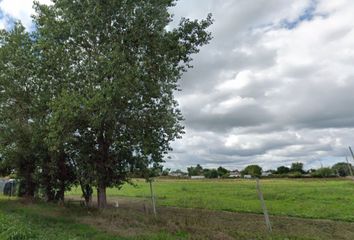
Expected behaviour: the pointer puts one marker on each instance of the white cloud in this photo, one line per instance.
(19, 10)
(273, 72)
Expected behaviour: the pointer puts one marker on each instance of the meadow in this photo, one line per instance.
(192, 210)
(307, 198)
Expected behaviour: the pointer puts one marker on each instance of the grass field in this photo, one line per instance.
(42, 221)
(29, 221)
(308, 198)
(189, 210)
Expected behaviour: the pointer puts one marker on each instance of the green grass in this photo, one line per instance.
(309, 198)
(43, 221)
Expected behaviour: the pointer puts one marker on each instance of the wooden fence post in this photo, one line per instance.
(152, 197)
(264, 208)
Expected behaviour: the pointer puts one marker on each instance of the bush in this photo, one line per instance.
(295, 175)
(323, 172)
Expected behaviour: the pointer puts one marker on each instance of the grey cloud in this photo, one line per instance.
(296, 79)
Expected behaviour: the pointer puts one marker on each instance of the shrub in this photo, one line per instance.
(323, 172)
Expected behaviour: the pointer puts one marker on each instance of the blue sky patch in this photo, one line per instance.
(306, 15)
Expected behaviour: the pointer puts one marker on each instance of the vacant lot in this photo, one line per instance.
(308, 198)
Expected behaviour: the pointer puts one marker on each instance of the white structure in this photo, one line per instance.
(176, 174)
(266, 174)
(235, 174)
(247, 176)
(197, 177)
(2, 185)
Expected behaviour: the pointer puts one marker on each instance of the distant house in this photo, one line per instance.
(247, 176)
(197, 177)
(177, 173)
(266, 173)
(235, 174)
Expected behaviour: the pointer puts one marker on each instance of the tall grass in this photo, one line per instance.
(310, 198)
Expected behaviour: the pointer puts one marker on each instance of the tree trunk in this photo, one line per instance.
(30, 189)
(47, 181)
(101, 196)
(87, 193)
(62, 177)
(59, 196)
(27, 186)
(102, 171)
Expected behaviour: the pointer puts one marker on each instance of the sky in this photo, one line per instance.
(274, 86)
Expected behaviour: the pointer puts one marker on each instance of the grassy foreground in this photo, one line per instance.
(42, 221)
(308, 198)
(30, 221)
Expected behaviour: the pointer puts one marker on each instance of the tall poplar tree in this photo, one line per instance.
(18, 89)
(105, 75)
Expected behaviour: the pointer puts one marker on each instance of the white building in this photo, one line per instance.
(235, 174)
(197, 177)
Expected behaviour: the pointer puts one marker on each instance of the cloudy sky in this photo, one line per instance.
(274, 86)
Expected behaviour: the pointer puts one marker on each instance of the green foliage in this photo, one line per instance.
(283, 170)
(222, 172)
(342, 169)
(253, 170)
(211, 173)
(297, 167)
(87, 98)
(195, 171)
(18, 101)
(323, 172)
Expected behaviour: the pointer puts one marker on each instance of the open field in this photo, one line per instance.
(307, 198)
(191, 210)
(25, 221)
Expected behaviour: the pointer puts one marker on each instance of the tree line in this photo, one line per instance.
(340, 169)
(86, 97)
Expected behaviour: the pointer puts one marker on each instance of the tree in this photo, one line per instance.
(342, 169)
(17, 101)
(323, 172)
(166, 171)
(120, 66)
(283, 170)
(195, 171)
(253, 170)
(210, 173)
(297, 167)
(222, 172)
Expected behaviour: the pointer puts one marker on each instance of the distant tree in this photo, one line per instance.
(342, 169)
(222, 171)
(311, 170)
(253, 170)
(297, 167)
(283, 170)
(165, 172)
(210, 173)
(195, 171)
(323, 172)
